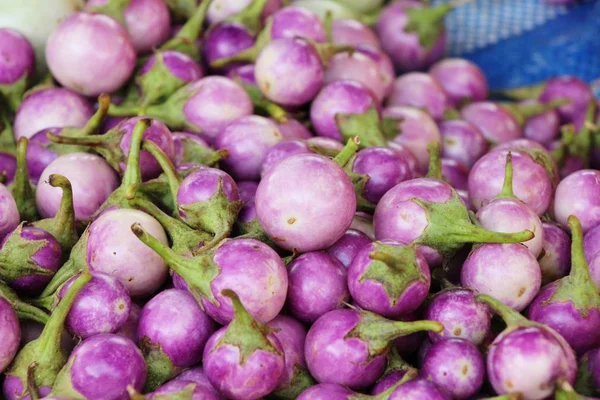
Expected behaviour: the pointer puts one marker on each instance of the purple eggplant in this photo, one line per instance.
(293, 129)
(349, 346)
(556, 259)
(462, 80)
(460, 314)
(543, 128)
(577, 195)
(462, 142)
(293, 21)
(317, 284)
(389, 278)
(348, 246)
(279, 152)
(455, 173)
(11, 334)
(197, 375)
(168, 352)
(420, 90)
(90, 54)
(182, 388)
(571, 305)
(243, 360)
(17, 66)
(395, 370)
(226, 39)
(10, 215)
(353, 33)
(129, 328)
(193, 148)
(572, 88)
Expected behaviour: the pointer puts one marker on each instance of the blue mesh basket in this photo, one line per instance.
(522, 42)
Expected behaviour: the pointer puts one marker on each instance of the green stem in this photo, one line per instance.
(133, 173)
(347, 152)
(31, 386)
(48, 303)
(167, 166)
(328, 22)
(580, 271)
(22, 309)
(51, 335)
(250, 54)
(327, 50)
(191, 30)
(241, 317)
(507, 186)
(508, 315)
(435, 162)
(411, 373)
(94, 122)
(174, 260)
(476, 234)
(22, 190)
(114, 9)
(250, 16)
(115, 110)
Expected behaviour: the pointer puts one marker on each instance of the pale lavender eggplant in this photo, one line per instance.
(455, 173)
(239, 370)
(462, 80)
(102, 306)
(420, 90)
(216, 101)
(385, 169)
(326, 391)
(579, 194)
(404, 47)
(338, 97)
(292, 22)
(289, 71)
(129, 328)
(180, 65)
(419, 389)
(38, 155)
(293, 129)
(346, 248)
(179, 139)
(353, 33)
(17, 60)
(556, 261)
(462, 142)
(360, 67)
(8, 167)
(418, 130)
(386, 382)
(280, 151)
(226, 39)
(462, 316)
(340, 346)
(159, 134)
(196, 375)
(508, 272)
(49, 257)
(243, 72)
(147, 21)
(10, 331)
(9, 215)
(247, 140)
(247, 190)
(543, 128)
(113, 249)
(90, 54)
(572, 88)
(181, 345)
(456, 366)
(409, 157)
(177, 387)
(495, 123)
(317, 285)
(591, 243)
(389, 279)
(512, 215)
(383, 61)
(517, 144)
(325, 206)
(325, 142)
(102, 367)
(92, 180)
(48, 108)
(531, 182)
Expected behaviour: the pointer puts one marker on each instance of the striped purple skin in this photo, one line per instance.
(258, 376)
(455, 173)
(462, 142)
(189, 327)
(387, 381)
(48, 257)
(202, 185)
(180, 65)
(289, 71)
(38, 155)
(243, 72)
(353, 33)
(543, 128)
(178, 138)
(196, 375)
(10, 331)
(326, 391)
(9, 214)
(420, 90)
(317, 285)
(556, 261)
(291, 335)
(291, 22)
(461, 79)
(129, 328)
(17, 59)
(579, 194)
(281, 151)
(495, 123)
(456, 366)
(419, 389)
(48, 108)
(572, 88)
(8, 167)
(102, 306)
(346, 248)
(225, 40)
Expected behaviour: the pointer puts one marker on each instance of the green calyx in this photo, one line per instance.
(7, 136)
(197, 153)
(253, 230)
(522, 93)
(112, 8)
(522, 112)
(378, 332)
(250, 16)
(244, 332)
(76, 263)
(427, 23)
(396, 363)
(450, 227)
(21, 189)
(411, 374)
(584, 383)
(366, 126)
(160, 366)
(250, 54)
(13, 93)
(327, 50)
(435, 161)
(198, 271)
(22, 309)
(544, 159)
(262, 105)
(171, 111)
(344, 157)
(185, 241)
(564, 391)
(579, 144)
(16, 257)
(185, 394)
(182, 9)
(301, 380)
(46, 350)
(395, 268)
(578, 287)
(185, 40)
(159, 83)
(359, 181)
(62, 225)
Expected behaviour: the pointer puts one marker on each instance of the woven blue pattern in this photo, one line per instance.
(522, 42)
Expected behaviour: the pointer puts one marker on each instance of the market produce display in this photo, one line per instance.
(270, 199)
